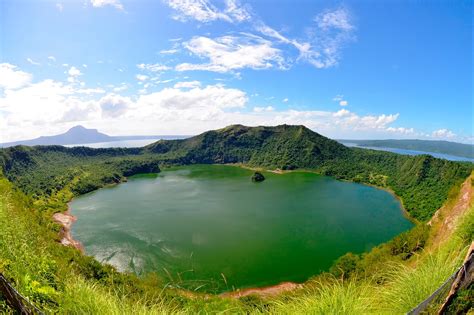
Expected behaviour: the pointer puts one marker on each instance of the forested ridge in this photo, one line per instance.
(422, 182)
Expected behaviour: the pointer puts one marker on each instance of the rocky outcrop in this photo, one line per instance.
(258, 177)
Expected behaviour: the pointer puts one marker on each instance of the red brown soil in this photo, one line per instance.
(264, 291)
(66, 219)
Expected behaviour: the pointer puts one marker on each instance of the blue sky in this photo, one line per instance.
(348, 69)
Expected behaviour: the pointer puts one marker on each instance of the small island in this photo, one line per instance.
(258, 177)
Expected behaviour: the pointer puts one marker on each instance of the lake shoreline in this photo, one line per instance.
(66, 219)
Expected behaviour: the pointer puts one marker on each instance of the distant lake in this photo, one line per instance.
(412, 152)
(210, 227)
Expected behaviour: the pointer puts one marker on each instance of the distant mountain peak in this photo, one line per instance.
(75, 135)
(82, 130)
(79, 127)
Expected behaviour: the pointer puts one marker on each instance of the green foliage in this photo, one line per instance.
(408, 243)
(399, 249)
(345, 266)
(463, 302)
(41, 180)
(422, 182)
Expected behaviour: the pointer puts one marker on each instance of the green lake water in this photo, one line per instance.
(200, 224)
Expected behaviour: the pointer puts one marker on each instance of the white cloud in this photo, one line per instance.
(402, 130)
(205, 11)
(338, 98)
(230, 53)
(38, 103)
(113, 105)
(321, 47)
(12, 78)
(102, 3)
(285, 100)
(325, 40)
(343, 103)
(169, 51)
(337, 19)
(31, 61)
(153, 67)
(342, 113)
(142, 77)
(263, 109)
(120, 88)
(187, 85)
(333, 31)
(59, 6)
(236, 11)
(90, 91)
(52, 58)
(443, 133)
(211, 97)
(74, 72)
(32, 109)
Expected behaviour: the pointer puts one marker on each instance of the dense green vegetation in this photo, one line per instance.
(445, 147)
(422, 182)
(392, 278)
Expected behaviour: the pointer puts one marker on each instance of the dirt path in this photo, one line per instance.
(264, 291)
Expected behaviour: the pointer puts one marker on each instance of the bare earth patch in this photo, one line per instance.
(264, 291)
(66, 219)
(445, 219)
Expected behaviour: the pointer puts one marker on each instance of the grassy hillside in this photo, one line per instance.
(391, 279)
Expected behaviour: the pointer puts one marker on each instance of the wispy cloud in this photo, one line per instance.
(142, 77)
(258, 109)
(187, 85)
(156, 67)
(321, 47)
(169, 51)
(102, 3)
(31, 61)
(340, 99)
(229, 53)
(335, 19)
(205, 11)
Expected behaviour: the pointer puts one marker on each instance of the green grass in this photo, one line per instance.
(60, 280)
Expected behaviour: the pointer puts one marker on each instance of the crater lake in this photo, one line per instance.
(210, 228)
